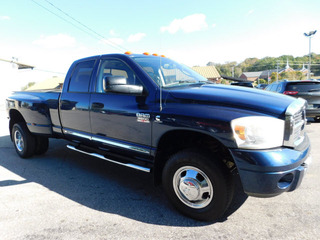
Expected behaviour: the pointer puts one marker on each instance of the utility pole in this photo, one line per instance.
(277, 71)
(310, 35)
(19, 65)
(232, 71)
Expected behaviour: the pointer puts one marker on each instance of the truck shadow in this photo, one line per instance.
(99, 185)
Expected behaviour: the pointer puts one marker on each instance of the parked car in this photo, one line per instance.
(262, 86)
(157, 116)
(307, 89)
(243, 84)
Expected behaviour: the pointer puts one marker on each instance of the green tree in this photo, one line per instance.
(226, 68)
(223, 81)
(269, 63)
(30, 84)
(262, 81)
(284, 75)
(299, 75)
(273, 77)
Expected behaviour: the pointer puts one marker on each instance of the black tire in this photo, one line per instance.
(42, 145)
(24, 142)
(197, 185)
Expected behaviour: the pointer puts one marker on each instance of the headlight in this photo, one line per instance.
(258, 132)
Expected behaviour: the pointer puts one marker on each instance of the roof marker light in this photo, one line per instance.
(146, 53)
(128, 53)
(155, 54)
(162, 56)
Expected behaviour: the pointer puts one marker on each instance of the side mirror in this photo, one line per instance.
(118, 84)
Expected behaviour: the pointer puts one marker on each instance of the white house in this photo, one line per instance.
(14, 76)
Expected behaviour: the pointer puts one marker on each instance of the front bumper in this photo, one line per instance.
(268, 173)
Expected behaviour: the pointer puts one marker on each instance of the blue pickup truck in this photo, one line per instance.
(152, 114)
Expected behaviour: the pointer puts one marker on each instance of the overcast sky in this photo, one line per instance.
(51, 34)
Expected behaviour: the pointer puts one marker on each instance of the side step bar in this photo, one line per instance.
(144, 169)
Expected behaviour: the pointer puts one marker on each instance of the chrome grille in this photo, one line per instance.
(298, 125)
(298, 117)
(295, 123)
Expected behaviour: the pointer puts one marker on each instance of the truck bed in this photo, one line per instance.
(40, 109)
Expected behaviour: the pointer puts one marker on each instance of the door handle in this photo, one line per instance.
(96, 105)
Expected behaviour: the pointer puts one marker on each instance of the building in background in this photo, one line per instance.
(254, 76)
(209, 72)
(51, 83)
(251, 76)
(14, 76)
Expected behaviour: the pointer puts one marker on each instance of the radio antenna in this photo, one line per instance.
(161, 81)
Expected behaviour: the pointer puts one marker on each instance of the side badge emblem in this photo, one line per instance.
(143, 117)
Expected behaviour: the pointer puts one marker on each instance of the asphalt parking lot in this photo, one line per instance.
(66, 195)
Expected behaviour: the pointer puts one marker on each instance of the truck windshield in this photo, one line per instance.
(168, 73)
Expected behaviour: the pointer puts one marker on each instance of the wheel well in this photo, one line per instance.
(175, 141)
(15, 117)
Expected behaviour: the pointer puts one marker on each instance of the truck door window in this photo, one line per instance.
(113, 67)
(80, 79)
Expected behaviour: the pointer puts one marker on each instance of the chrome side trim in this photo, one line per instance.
(77, 134)
(122, 145)
(107, 142)
(130, 165)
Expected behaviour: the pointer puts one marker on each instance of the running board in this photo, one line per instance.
(144, 169)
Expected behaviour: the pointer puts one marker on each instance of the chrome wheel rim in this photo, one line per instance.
(18, 140)
(193, 187)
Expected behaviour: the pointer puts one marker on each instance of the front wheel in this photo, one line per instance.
(24, 141)
(198, 185)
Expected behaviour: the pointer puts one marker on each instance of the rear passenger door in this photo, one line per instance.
(74, 101)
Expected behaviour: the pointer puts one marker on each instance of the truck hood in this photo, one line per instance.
(236, 97)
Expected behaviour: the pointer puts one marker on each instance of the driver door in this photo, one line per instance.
(120, 122)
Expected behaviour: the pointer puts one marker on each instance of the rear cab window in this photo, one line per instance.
(80, 79)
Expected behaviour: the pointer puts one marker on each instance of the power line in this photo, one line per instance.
(95, 34)
(61, 17)
(48, 71)
(90, 29)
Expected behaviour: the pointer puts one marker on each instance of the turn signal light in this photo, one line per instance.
(241, 132)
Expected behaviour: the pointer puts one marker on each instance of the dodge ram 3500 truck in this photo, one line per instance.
(154, 115)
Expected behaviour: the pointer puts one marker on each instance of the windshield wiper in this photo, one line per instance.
(188, 81)
(206, 82)
(181, 81)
